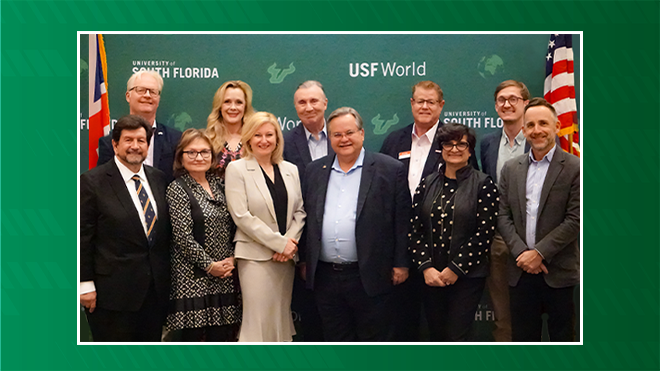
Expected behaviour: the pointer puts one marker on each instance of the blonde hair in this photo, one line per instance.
(215, 125)
(252, 125)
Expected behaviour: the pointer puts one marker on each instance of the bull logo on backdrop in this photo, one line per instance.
(277, 75)
(381, 126)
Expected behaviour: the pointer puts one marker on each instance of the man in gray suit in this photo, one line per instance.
(539, 220)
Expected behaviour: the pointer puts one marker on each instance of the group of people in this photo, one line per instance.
(243, 219)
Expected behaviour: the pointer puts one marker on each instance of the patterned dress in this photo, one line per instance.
(199, 299)
(226, 156)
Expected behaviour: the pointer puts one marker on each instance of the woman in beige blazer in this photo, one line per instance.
(265, 201)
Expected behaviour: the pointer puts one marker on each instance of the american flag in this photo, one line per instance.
(559, 89)
(99, 111)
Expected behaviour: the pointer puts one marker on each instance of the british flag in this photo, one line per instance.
(99, 111)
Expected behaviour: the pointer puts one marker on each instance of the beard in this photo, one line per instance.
(134, 158)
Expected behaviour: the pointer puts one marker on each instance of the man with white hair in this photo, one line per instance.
(143, 91)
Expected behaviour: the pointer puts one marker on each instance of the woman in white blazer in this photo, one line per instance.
(265, 201)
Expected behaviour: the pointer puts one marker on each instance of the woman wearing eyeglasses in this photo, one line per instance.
(205, 300)
(455, 212)
(232, 106)
(264, 198)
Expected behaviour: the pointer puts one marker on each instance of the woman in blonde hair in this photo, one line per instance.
(265, 201)
(232, 105)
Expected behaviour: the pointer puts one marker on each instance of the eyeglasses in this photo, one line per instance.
(513, 100)
(348, 134)
(142, 90)
(461, 146)
(206, 154)
(430, 102)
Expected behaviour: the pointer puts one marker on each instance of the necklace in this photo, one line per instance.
(443, 206)
(443, 213)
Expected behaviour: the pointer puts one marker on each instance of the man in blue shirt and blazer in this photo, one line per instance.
(358, 218)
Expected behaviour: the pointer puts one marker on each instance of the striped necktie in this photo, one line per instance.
(147, 209)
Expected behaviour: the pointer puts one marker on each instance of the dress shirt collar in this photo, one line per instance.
(127, 173)
(358, 163)
(430, 134)
(547, 156)
(308, 134)
(519, 139)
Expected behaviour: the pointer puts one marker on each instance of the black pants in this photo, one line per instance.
(347, 312)
(144, 325)
(227, 333)
(450, 310)
(304, 304)
(530, 299)
(408, 303)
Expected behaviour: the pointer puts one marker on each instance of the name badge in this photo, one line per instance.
(403, 155)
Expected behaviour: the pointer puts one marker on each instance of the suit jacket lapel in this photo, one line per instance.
(555, 167)
(322, 188)
(493, 154)
(522, 187)
(288, 180)
(121, 192)
(433, 159)
(158, 144)
(301, 145)
(255, 173)
(368, 172)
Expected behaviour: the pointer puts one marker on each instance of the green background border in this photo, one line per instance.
(39, 126)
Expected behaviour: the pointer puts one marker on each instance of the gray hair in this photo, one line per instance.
(342, 111)
(309, 84)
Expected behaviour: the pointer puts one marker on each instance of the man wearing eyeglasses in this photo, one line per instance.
(358, 219)
(511, 97)
(143, 96)
(417, 148)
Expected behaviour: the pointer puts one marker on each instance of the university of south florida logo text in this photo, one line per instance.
(277, 75)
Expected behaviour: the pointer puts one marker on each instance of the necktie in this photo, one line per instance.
(147, 209)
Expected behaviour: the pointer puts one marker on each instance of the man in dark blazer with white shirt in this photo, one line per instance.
(305, 143)
(124, 241)
(143, 91)
(539, 219)
(358, 218)
(417, 148)
(309, 140)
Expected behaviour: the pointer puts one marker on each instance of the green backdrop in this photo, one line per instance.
(372, 73)
(38, 192)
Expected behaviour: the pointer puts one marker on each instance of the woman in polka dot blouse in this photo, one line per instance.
(454, 218)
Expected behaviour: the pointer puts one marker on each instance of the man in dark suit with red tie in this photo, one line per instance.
(143, 91)
(124, 241)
